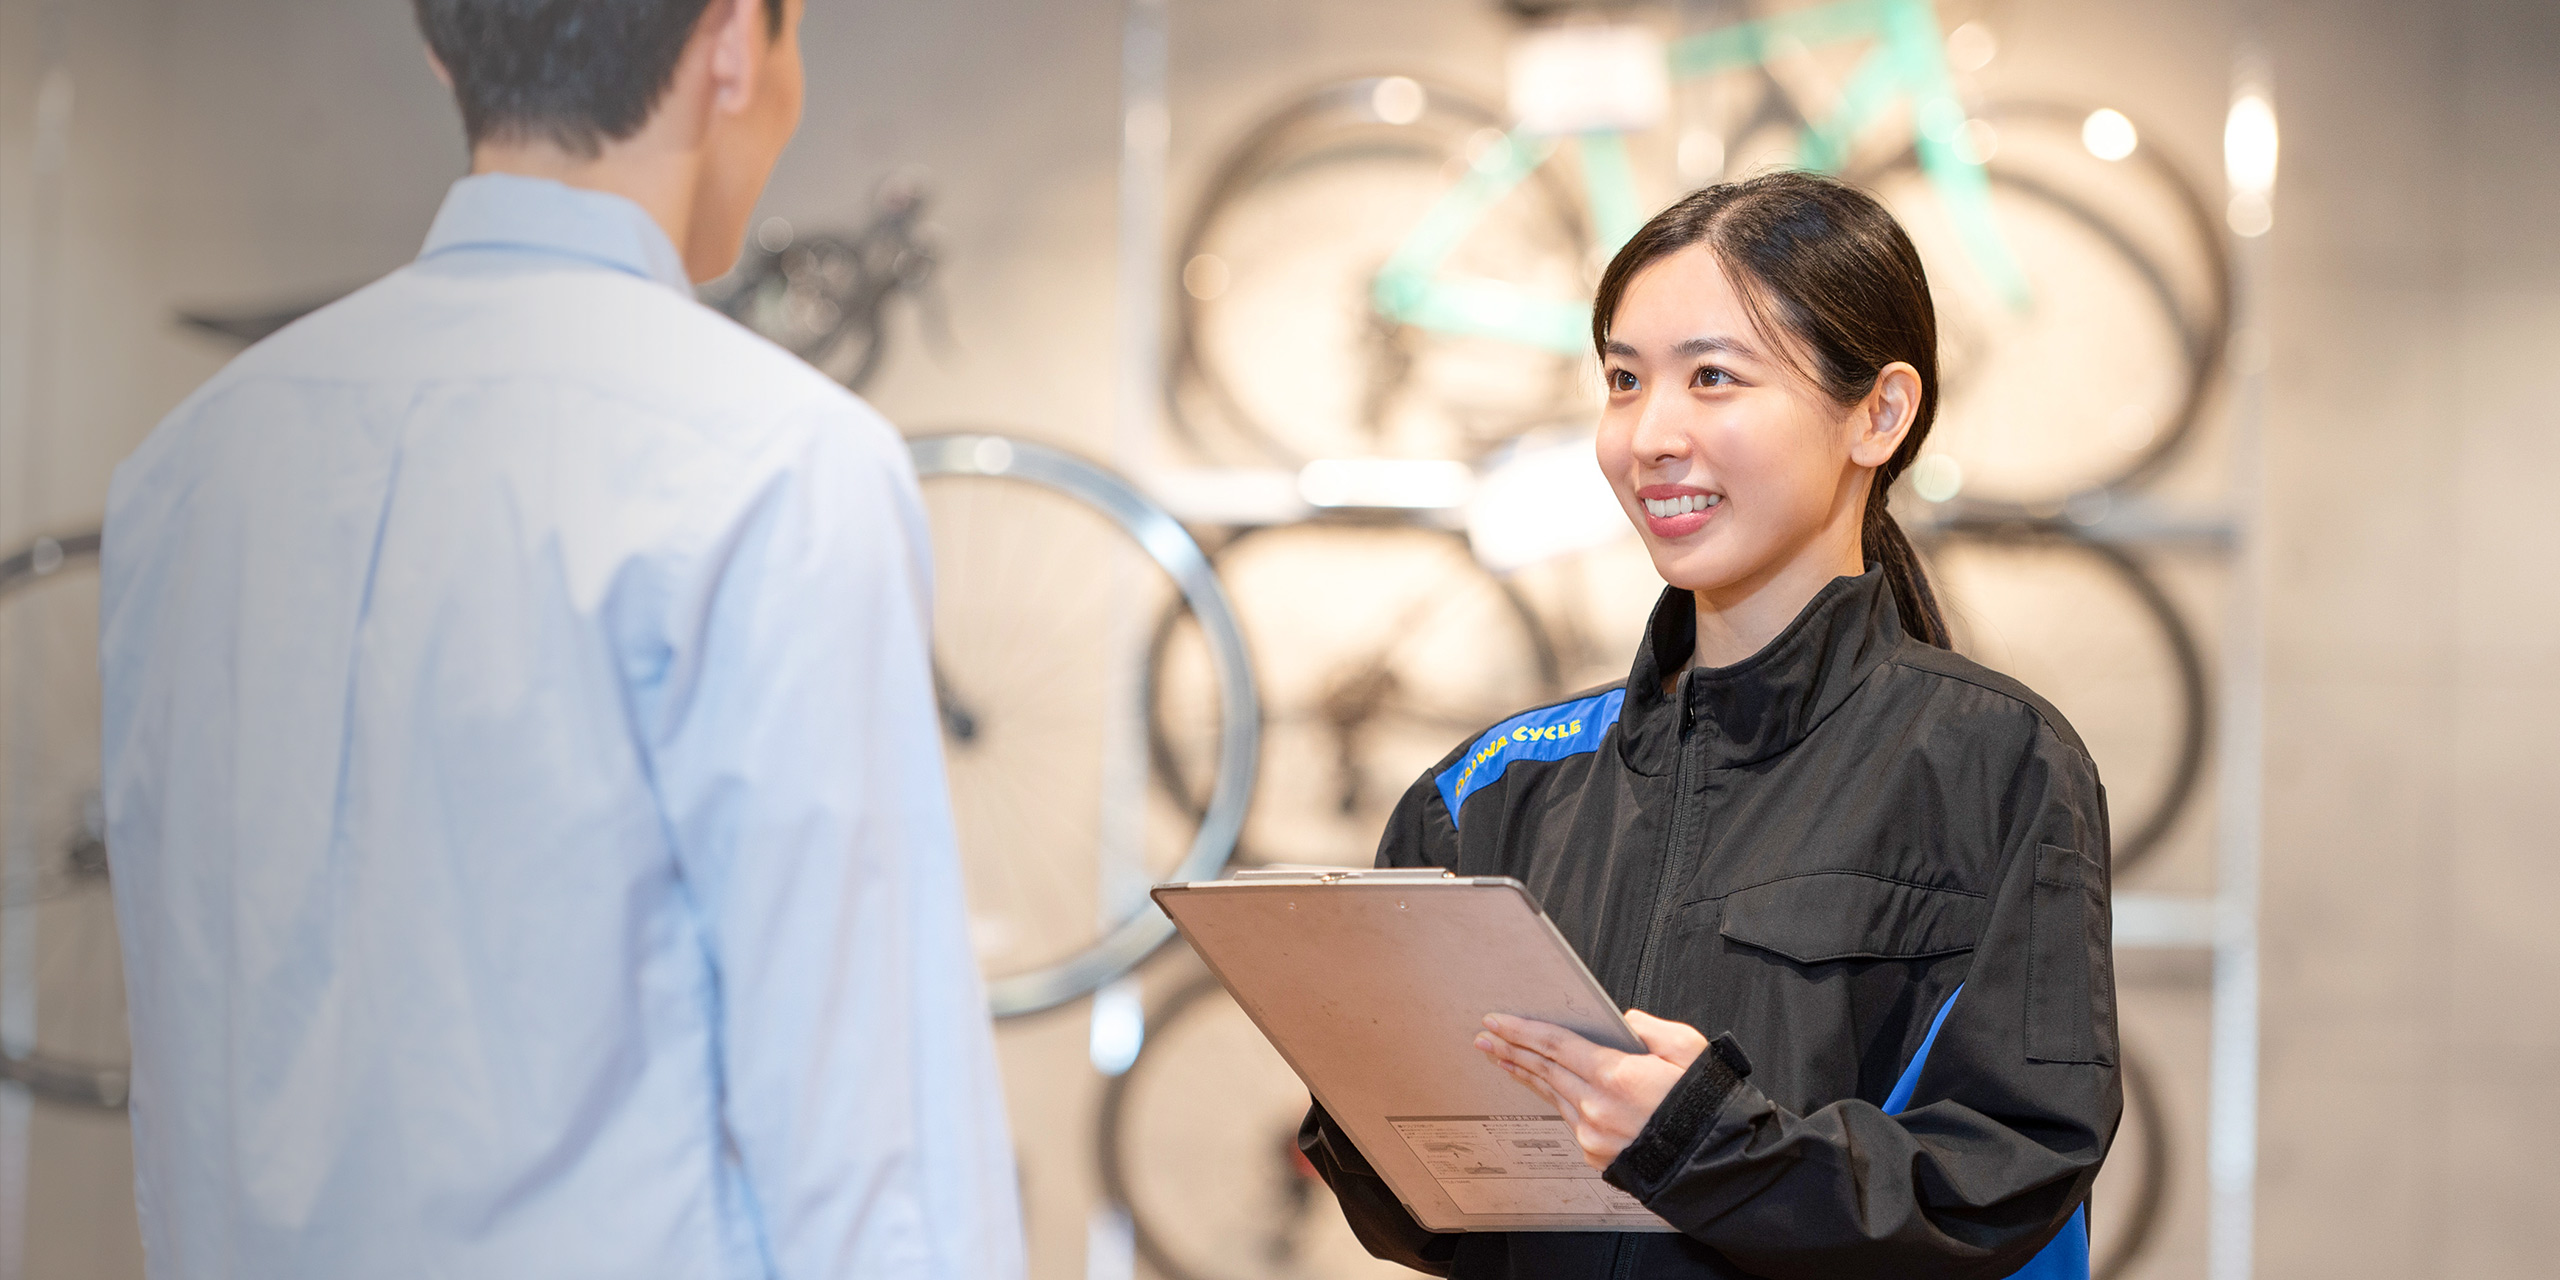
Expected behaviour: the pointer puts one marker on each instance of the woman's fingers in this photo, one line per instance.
(1561, 1080)
(1569, 1050)
(1602, 1122)
(1607, 1096)
(1597, 1149)
(1539, 1087)
(1675, 1042)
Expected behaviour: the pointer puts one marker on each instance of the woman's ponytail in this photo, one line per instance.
(1825, 262)
(1903, 572)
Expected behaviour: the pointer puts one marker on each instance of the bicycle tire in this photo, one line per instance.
(86, 1082)
(1114, 1158)
(2195, 693)
(1174, 777)
(1205, 405)
(2203, 325)
(1171, 549)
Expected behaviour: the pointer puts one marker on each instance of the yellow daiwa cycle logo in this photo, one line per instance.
(1520, 737)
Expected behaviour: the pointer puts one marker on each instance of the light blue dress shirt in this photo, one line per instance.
(531, 844)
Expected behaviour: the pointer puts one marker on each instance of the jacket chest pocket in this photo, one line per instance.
(1845, 915)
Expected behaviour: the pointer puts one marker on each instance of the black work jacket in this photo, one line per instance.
(1804, 855)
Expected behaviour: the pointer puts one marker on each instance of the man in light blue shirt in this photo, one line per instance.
(531, 844)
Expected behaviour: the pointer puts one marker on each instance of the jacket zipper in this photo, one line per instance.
(1680, 837)
(1665, 889)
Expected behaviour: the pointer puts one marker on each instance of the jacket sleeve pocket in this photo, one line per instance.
(2070, 994)
(1842, 915)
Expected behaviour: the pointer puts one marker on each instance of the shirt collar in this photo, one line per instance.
(538, 215)
(1769, 701)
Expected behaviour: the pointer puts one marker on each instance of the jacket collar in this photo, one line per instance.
(507, 212)
(1769, 701)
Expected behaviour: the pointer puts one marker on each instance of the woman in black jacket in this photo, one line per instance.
(1876, 871)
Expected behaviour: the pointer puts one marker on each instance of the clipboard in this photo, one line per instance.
(1372, 985)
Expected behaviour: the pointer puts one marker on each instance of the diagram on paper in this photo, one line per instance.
(1511, 1165)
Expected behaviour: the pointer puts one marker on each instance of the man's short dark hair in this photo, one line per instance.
(577, 73)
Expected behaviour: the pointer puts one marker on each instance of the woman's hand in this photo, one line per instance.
(1607, 1096)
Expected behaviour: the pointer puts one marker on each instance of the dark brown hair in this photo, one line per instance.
(575, 73)
(1821, 263)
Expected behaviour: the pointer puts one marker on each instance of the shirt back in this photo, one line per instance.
(529, 837)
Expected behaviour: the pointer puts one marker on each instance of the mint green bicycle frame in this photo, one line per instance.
(1908, 63)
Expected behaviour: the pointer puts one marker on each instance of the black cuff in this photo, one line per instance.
(1685, 1115)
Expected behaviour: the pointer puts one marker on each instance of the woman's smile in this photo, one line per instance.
(1676, 511)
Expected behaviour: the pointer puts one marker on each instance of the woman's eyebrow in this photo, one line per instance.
(1711, 345)
(1690, 347)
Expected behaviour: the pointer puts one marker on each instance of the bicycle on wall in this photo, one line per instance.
(1047, 569)
(827, 297)
(1378, 644)
(60, 966)
(1385, 266)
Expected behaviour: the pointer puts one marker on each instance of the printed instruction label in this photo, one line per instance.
(1511, 1164)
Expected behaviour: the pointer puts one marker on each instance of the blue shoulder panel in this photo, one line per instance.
(1548, 733)
(2066, 1257)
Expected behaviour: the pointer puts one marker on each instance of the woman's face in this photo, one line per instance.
(1730, 462)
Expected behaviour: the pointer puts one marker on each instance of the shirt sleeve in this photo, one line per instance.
(2012, 1111)
(799, 763)
(1418, 835)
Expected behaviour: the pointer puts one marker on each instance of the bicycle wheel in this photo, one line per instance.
(2086, 625)
(57, 919)
(1039, 559)
(1198, 1143)
(2133, 1189)
(1378, 648)
(2107, 371)
(1280, 355)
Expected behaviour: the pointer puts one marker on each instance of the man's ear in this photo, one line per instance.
(436, 64)
(1885, 416)
(738, 35)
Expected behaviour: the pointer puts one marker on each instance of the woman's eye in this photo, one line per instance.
(1711, 376)
(1621, 380)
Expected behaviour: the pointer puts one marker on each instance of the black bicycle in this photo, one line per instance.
(827, 297)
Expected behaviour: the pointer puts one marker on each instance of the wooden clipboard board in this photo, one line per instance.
(1372, 985)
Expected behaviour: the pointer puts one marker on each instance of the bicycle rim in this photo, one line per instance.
(1026, 540)
(1279, 354)
(2045, 662)
(57, 917)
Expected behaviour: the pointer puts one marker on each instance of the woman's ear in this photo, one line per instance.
(1885, 416)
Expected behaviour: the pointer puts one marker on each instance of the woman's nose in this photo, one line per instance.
(1658, 437)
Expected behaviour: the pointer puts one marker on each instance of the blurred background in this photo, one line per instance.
(2246, 465)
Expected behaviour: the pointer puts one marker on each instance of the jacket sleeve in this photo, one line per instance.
(2013, 1108)
(1418, 835)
